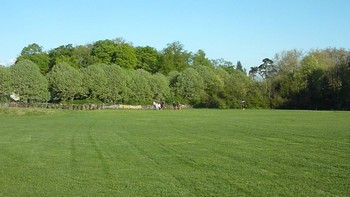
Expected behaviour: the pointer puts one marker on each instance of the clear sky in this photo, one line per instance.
(244, 30)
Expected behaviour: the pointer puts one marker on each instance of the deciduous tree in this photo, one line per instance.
(174, 57)
(147, 59)
(190, 86)
(64, 54)
(65, 82)
(95, 82)
(103, 51)
(35, 53)
(213, 87)
(200, 59)
(141, 91)
(124, 56)
(118, 81)
(28, 82)
(5, 82)
(160, 87)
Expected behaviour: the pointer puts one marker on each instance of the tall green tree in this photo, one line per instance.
(255, 97)
(64, 54)
(236, 89)
(103, 51)
(200, 59)
(190, 86)
(141, 91)
(5, 82)
(253, 72)
(323, 72)
(240, 67)
(82, 54)
(65, 82)
(35, 53)
(331, 60)
(95, 82)
(174, 57)
(213, 87)
(224, 64)
(28, 82)
(147, 59)
(344, 93)
(124, 56)
(118, 81)
(222, 73)
(159, 87)
(312, 75)
(267, 71)
(288, 81)
(173, 82)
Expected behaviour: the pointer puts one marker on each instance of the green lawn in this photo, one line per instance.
(175, 153)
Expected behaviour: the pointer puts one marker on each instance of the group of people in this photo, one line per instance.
(176, 105)
(161, 105)
(158, 105)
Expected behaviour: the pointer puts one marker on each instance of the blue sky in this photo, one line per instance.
(244, 30)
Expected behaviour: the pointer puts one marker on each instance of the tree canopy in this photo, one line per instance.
(115, 71)
(28, 82)
(65, 82)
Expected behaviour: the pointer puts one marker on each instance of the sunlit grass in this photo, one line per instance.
(175, 153)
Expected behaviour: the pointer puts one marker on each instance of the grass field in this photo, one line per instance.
(174, 153)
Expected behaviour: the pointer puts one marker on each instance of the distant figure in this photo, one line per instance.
(174, 105)
(155, 105)
(162, 105)
(178, 105)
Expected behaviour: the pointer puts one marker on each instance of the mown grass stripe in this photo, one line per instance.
(175, 153)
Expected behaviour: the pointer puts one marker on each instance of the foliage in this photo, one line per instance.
(35, 53)
(28, 82)
(103, 51)
(95, 82)
(240, 67)
(159, 87)
(237, 89)
(5, 82)
(141, 90)
(174, 57)
(65, 82)
(190, 86)
(255, 96)
(318, 79)
(200, 59)
(82, 53)
(64, 54)
(118, 81)
(267, 69)
(124, 56)
(147, 59)
(213, 87)
(253, 72)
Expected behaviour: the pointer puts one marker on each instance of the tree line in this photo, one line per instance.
(114, 71)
